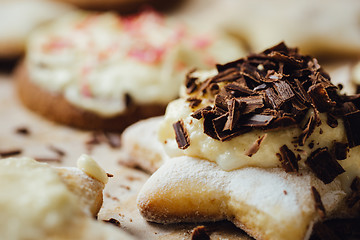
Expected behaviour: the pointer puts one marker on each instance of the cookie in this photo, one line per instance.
(19, 18)
(144, 152)
(269, 118)
(44, 202)
(316, 27)
(110, 71)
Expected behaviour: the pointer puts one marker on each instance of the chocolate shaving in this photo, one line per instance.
(255, 146)
(193, 102)
(10, 153)
(190, 83)
(288, 159)
(355, 194)
(320, 98)
(284, 90)
(273, 98)
(319, 206)
(324, 165)
(199, 233)
(198, 114)
(309, 129)
(182, 137)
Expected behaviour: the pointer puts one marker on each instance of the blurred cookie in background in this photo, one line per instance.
(106, 71)
(19, 17)
(123, 6)
(319, 27)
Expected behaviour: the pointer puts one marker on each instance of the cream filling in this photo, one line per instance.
(230, 155)
(96, 60)
(34, 201)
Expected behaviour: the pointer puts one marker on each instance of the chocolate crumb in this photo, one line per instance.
(109, 175)
(57, 150)
(285, 192)
(113, 221)
(255, 146)
(23, 131)
(319, 206)
(182, 137)
(311, 145)
(48, 159)
(324, 165)
(288, 159)
(113, 139)
(321, 131)
(10, 153)
(355, 194)
(199, 233)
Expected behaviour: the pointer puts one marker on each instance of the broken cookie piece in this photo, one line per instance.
(38, 201)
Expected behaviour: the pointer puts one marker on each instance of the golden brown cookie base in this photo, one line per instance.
(56, 108)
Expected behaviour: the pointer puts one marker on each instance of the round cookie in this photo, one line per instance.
(104, 71)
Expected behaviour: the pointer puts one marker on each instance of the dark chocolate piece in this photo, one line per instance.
(109, 175)
(288, 159)
(255, 146)
(182, 137)
(352, 128)
(324, 165)
(199, 233)
(340, 150)
(319, 206)
(332, 121)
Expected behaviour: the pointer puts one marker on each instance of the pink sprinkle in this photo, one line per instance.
(147, 55)
(56, 44)
(201, 42)
(85, 87)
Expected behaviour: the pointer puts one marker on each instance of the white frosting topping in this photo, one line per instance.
(33, 200)
(89, 166)
(231, 154)
(95, 60)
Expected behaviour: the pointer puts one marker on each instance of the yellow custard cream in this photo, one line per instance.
(224, 121)
(97, 60)
(34, 201)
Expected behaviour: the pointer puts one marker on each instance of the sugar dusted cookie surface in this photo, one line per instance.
(141, 146)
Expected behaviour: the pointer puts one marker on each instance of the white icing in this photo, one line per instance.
(89, 166)
(97, 59)
(231, 155)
